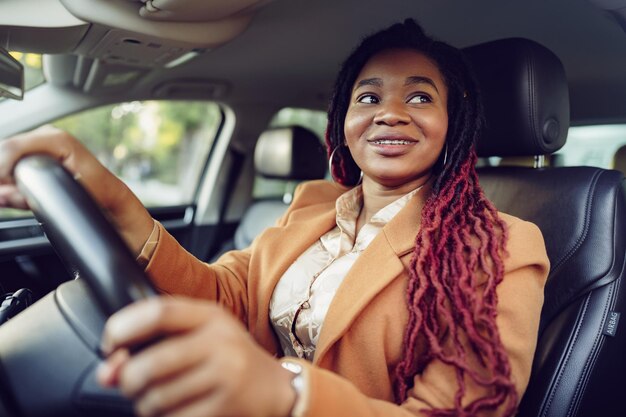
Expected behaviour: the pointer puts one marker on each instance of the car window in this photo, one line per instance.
(602, 146)
(315, 120)
(593, 146)
(158, 148)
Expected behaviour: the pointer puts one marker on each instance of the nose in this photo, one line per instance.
(391, 113)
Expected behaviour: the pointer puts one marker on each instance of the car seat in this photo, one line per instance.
(292, 154)
(578, 368)
(619, 159)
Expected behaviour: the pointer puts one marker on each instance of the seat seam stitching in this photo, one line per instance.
(582, 383)
(567, 356)
(585, 232)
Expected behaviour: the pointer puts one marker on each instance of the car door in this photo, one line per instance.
(160, 149)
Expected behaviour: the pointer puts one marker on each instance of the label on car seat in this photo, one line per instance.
(610, 327)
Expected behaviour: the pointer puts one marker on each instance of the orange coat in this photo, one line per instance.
(362, 335)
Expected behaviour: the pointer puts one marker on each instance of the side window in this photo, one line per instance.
(602, 146)
(158, 148)
(314, 120)
(599, 146)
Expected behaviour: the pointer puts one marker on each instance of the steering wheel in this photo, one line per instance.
(49, 352)
(80, 233)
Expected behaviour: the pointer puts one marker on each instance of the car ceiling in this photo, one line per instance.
(291, 50)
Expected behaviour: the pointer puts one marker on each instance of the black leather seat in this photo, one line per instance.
(579, 367)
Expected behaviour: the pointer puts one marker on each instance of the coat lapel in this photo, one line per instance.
(375, 268)
(283, 246)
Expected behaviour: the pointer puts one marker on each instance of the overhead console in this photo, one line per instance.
(114, 42)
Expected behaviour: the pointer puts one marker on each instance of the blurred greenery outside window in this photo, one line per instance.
(158, 148)
(314, 120)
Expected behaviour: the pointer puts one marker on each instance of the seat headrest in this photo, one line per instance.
(525, 96)
(619, 159)
(290, 153)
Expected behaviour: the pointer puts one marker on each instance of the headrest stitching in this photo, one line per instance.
(533, 113)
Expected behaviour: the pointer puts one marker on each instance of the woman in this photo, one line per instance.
(400, 292)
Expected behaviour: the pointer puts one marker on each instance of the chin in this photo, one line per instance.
(391, 181)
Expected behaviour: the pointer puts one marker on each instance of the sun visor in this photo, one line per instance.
(195, 10)
(163, 33)
(51, 30)
(208, 30)
(156, 33)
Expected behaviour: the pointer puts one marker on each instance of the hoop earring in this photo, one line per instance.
(330, 167)
(445, 155)
(330, 164)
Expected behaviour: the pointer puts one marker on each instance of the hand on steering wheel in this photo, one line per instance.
(80, 233)
(123, 208)
(207, 365)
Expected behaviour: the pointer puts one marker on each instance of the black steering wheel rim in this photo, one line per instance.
(81, 234)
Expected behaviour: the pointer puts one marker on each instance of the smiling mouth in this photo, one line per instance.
(392, 142)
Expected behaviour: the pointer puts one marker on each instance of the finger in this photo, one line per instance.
(203, 406)
(108, 372)
(46, 139)
(163, 360)
(173, 393)
(11, 197)
(147, 319)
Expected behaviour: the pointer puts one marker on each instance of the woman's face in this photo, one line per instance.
(397, 120)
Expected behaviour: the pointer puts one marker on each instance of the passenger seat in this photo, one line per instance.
(291, 153)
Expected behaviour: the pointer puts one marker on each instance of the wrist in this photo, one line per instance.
(133, 221)
(137, 237)
(298, 386)
(149, 247)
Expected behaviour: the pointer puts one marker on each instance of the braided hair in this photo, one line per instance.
(457, 260)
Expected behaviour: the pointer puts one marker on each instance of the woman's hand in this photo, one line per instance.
(130, 217)
(204, 364)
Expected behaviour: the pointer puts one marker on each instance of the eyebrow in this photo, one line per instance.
(370, 81)
(420, 80)
(415, 79)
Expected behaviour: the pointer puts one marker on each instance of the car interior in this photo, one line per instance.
(258, 76)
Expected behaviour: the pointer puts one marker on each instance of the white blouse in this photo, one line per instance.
(303, 295)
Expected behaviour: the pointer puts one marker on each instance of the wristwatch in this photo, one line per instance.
(299, 385)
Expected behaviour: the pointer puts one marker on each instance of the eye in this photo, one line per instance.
(368, 99)
(420, 99)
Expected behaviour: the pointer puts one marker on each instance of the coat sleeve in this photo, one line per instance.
(520, 298)
(177, 272)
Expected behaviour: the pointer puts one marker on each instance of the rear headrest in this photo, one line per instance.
(619, 159)
(525, 96)
(290, 153)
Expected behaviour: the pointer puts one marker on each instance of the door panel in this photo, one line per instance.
(28, 261)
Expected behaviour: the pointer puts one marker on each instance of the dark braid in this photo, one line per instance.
(457, 261)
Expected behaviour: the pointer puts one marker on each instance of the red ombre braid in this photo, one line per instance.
(455, 268)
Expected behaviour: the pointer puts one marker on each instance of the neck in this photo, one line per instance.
(376, 196)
